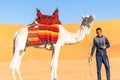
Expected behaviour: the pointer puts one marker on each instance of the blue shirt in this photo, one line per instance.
(99, 41)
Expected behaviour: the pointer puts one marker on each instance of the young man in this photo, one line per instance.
(101, 43)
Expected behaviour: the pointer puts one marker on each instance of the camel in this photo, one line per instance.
(65, 37)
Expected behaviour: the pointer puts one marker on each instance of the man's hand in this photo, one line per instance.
(103, 47)
(90, 59)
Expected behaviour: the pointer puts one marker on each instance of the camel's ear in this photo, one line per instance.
(93, 15)
(83, 17)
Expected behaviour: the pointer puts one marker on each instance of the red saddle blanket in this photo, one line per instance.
(43, 34)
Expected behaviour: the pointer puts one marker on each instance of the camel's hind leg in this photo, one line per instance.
(15, 65)
(12, 68)
(20, 40)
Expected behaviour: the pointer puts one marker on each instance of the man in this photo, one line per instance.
(101, 43)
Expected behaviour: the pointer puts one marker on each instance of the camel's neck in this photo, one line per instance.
(78, 36)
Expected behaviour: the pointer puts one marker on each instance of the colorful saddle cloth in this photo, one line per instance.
(43, 34)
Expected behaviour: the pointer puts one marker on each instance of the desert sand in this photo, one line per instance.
(73, 60)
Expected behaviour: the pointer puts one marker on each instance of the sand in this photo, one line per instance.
(73, 63)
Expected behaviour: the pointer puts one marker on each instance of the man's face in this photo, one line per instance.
(99, 32)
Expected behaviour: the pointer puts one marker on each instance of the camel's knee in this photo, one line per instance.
(54, 66)
(12, 68)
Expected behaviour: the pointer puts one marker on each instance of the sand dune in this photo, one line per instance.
(73, 63)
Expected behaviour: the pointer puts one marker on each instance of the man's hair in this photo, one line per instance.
(98, 29)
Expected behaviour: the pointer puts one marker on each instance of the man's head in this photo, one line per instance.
(99, 31)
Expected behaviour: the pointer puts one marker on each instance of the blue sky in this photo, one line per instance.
(70, 11)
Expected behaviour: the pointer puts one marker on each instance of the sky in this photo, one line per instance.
(70, 11)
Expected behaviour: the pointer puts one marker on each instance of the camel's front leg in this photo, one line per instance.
(54, 63)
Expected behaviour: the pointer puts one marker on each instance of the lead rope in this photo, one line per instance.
(89, 53)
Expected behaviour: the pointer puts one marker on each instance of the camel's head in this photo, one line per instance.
(87, 22)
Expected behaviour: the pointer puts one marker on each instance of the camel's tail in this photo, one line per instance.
(14, 41)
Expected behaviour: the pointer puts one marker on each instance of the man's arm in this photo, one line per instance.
(107, 43)
(93, 48)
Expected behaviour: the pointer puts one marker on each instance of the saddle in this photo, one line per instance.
(43, 34)
(44, 29)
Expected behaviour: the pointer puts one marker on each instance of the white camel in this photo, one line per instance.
(65, 37)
